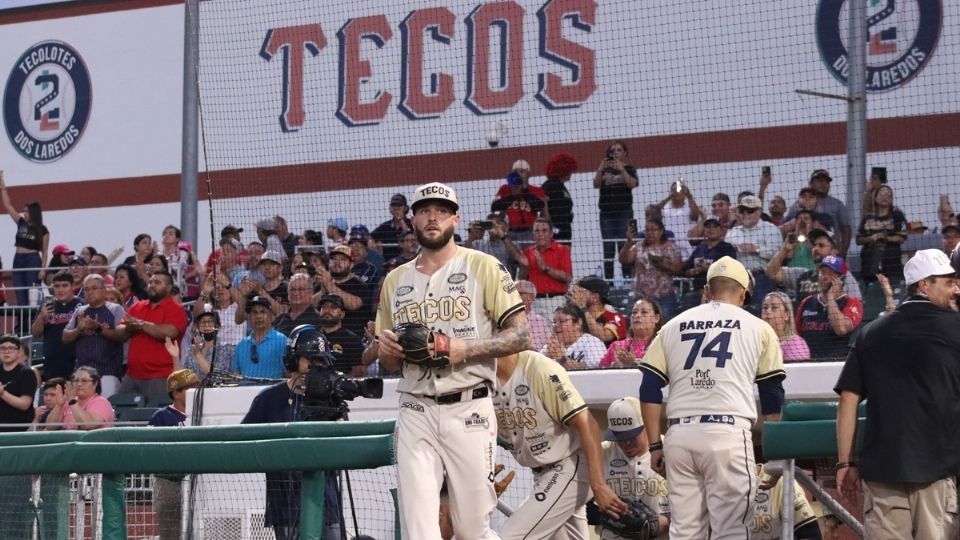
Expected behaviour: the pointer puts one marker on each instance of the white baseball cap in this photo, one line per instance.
(927, 263)
(435, 191)
(624, 421)
(521, 165)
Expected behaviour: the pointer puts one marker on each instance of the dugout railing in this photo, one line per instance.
(309, 447)
(808, 431)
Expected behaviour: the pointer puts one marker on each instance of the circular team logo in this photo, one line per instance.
(901, 38)
(46, 102)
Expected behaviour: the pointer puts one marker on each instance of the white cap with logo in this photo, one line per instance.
(624, 421)
(927, 263)
(435, 191)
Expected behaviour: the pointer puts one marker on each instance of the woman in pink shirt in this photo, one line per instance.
(777, 311)
(81, 406)
(645, 321)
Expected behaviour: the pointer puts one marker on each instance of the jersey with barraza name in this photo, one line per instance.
(468, 298)
(711, 356)
(633, 479)
(768, 514)
(533, 408)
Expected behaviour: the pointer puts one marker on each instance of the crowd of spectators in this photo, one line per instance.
(231, 313)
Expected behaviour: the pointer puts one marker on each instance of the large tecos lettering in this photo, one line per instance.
(552, 91)
(494, 29)
(494, 61)
(415, 101)
(292, 41)
(355, 71)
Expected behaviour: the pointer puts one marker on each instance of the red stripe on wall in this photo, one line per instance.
(779, 142)
(75, 9)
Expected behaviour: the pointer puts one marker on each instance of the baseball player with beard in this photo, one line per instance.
(446, 421)
(626, 457)
(711, 356)
(548, 428)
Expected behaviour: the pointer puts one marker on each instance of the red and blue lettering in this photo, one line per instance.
(579, 60)
(354, 72)
(499, 96)
(292, 41)
(416, 103)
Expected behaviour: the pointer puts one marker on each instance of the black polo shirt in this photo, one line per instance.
(907, 366)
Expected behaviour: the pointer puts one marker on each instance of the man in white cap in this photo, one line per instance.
(906, 364)
(711, 356)
(626, 457)
(756, 241)
(446, 421)
(521, 203)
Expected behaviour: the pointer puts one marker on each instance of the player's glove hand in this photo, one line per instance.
(415, 339)
(501, 485)
(639, 522)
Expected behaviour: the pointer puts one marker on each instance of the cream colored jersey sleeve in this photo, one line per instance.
(533, 409)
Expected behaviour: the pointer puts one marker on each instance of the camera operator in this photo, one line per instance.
(283, 402)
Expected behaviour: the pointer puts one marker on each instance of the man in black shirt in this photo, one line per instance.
(58, 357)
(345, 346)
(388, 233)
(341, 281)
(17, 387)
(907, 366)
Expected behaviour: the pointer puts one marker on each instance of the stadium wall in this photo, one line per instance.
(704, 92)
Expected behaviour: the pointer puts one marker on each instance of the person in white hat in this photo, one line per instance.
(907, 365)
(520, 202)
(711, 356)
(446, 422)
(626, 457)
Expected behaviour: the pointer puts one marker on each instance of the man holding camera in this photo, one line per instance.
(498, 242)
(521, 202)
(283, 402)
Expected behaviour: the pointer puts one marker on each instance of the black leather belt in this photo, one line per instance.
(457, 397)
(549, 294)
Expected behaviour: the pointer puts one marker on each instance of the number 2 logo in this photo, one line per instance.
(717, 348)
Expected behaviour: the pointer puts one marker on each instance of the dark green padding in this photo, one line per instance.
(114, 508)
(810, 439)
(202, 433)
(201, 457)
(820, 410)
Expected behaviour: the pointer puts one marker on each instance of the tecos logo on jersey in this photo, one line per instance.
(901, 38)
(47, 100)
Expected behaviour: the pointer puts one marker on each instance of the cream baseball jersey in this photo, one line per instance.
(711, 356)
(632, 478)
(533, 408)
(768, 512)
(467, 298)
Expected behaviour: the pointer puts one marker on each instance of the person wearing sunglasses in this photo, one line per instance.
(756, 242)
(260, 354)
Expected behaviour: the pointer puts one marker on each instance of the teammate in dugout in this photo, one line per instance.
(548, 428)
(711, 356)
(768, 510)
(446, 421)
(626, 457)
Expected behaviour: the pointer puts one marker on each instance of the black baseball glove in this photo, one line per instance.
(639, 522)
(415, 339)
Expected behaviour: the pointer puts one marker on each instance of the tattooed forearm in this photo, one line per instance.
(512, 338)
